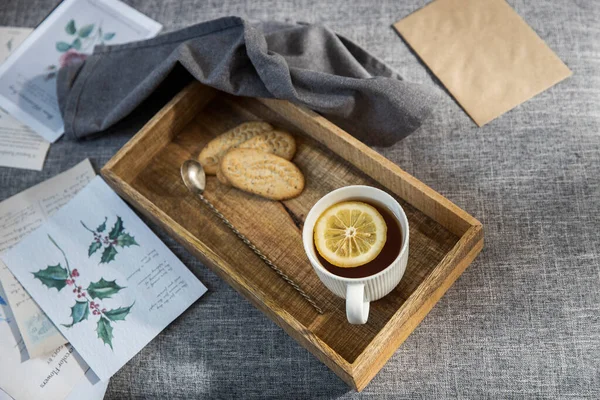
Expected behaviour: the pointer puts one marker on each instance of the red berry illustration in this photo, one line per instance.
(100, 289)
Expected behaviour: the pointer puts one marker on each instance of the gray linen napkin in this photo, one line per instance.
(305, 64)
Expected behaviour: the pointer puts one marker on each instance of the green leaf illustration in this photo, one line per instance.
(76, 44)
(103, 289)
(126, 240)
(116, 229)
(70, 28)
(108, 36)
(102, 227)
(108, 254)
(104, 331)
(79, 312)
(118, 314)
(86, 30)
(62, 46)
(93, 248)
(55, 276)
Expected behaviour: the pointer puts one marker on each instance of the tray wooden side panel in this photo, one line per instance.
(443, 242)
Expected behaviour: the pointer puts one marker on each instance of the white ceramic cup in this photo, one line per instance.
(358, 292)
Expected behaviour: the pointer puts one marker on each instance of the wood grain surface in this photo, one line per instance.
(443, 238)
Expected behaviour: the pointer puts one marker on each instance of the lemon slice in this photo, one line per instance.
(350, 234)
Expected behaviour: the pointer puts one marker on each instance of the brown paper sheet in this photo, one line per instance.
(484, 53)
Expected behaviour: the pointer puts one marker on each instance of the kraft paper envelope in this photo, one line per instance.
(484, 53)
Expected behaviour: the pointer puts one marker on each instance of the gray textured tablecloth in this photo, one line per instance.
(522, 322)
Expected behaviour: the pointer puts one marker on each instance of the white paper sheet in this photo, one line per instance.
(10, 38)
(52, 377)
(19, 216)
(88, 388)
(28, 77)
(20, 147)
(103, 277)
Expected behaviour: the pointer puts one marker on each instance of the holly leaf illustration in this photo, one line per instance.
(108, 36)
(126, 240)
(104, 330)
(103, 289)
(108, 254)
(76, 44)
(55, 276)
(93, 248)
(102, 227)
(86, 30)
(116, 229)
(79, 312)
(62, 46)
(70, 28)
(118, 314)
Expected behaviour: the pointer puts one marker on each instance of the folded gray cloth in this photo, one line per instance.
(305, 64)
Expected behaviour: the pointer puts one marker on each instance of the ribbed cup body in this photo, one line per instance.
(378, 285)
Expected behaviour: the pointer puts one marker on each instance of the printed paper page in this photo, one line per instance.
(20, 147)
(103, 277)
(88, 388)
(19, 216)
(28, 77)
(52, 377)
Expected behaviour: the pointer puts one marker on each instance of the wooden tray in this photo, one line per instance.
(444, 239)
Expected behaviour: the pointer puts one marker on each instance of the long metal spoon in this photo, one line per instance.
(195, 179)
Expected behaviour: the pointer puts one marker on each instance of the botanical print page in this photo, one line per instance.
(19, 216)
(103, 277)
(28, 77)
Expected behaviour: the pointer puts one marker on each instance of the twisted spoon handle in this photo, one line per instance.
(260, 254)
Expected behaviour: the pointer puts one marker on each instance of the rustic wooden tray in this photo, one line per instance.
(444, 239)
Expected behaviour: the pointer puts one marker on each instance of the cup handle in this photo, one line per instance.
(357, 309)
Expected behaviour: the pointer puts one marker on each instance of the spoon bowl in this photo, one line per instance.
(193, 176)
